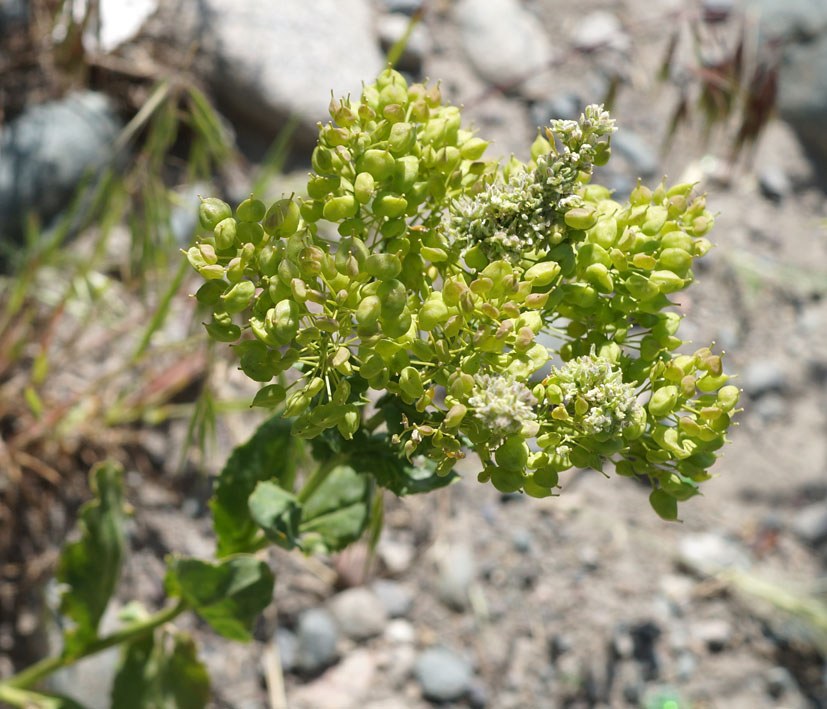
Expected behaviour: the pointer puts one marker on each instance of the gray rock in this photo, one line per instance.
(442, 675)
(394, 597)
(521, 540)
(46, 151)
(13, 13)
(269, 61)
(774, 183)
(685, 665)
(714, 633)
(396, 554)
(779, 681)
(770, 407)
(456, 572)
(391, 28)
(317, 637)
(600, 29)
(359, 612)
(288, 646)
(408, 7)
(810, 523)
(504, 42)
(763, 376)
(709, 553)
(637, 151)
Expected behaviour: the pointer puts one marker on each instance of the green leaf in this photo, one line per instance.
(90, 567)
(161, 674)
(337, 512)
(277, 512)
(229, 594)
(270, 454)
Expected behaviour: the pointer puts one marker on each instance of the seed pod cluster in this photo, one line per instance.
(444, 271)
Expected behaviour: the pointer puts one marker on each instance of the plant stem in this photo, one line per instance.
(319, 476)
(36, 672)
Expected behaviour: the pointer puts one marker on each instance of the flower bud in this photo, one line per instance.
(455, 415)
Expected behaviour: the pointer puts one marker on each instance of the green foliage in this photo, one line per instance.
(161, 670)
(269, 455)
(229, 594)
(446, 270)
(90, 567)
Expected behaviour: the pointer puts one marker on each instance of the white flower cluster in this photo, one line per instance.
(525, 213)
(501, 403)
(602, 401)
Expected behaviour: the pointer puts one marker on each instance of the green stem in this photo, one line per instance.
(319, 476)
(36, 672)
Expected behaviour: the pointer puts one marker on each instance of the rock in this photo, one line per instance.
(716, 10)
(779, 681)
(810, 524)
(13, 13)
(341, 687)
(478, 697)
(456, 572)
(400, 632)
(442, 675)
(408, 7)
(391, 28)
(774, 183)
(395, 554)
(268, 61)
(317, 637)
(685, 665)
(504, 42)
(521, 540)
(642, 158)
(119, 22)
(714, 633)
(709, 553)
(770, 407)
(394, 597)
(763, 376)
(600, 30)
(645, 636)
(288, 648)
(566, 105)
(47, 150)
(359, 612)
(559, 644)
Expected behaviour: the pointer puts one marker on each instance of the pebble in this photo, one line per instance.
(600, 29)
(400, 632)
(762, 376)
(710, 552)
(442, 675)
(456, 572)
(288, 645)
(392, 27)
(394, 597)
(317, 638)
(504, 42)
(638, 152)
(359, 612)
(685, 665)
(810, 524)
(341, 687)
(779, 681)
(408, 7)
(714, 633)
(47, 150)
(774, 183)
(521, 540)
(396, 555)
(478, 696)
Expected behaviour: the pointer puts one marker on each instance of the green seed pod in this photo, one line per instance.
(225, 234)
(506, 481)
(402, 137)
(512, 455)
(385, 267)
(394, 296)
(349, 423)
(667, 281)
(211, 211)
(269, 396)
(455, 415)
(210, 292)
(542, 274)
(663, 401)
(434, 312)
(405, 172)
(728, 397)
(581, 218)
(387, 204)
(368, 311)
(223, 331)
(410, 382)
(675, 259)
(283, 320)
(282, 218)
(251, 210)
(625, 469)
(540, 146)
(640, 195)
(547, 477)
(338, 208)
(654, 220)
(239, 296)
(379, 163)
(363, 187)
(598, 275)
(297, 403)
(711, 383)
(664, 504)
(473, 149)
